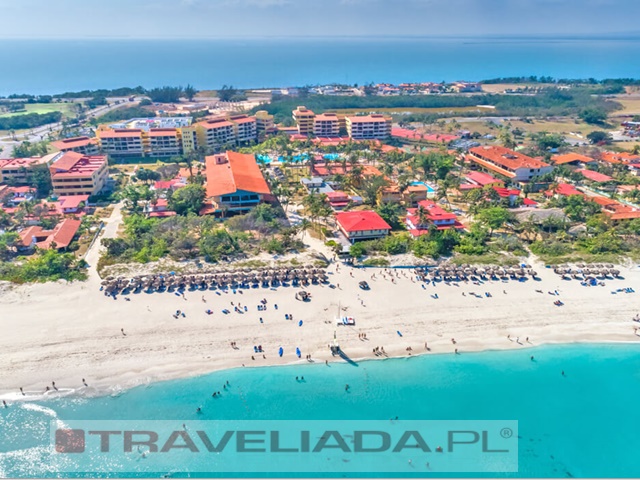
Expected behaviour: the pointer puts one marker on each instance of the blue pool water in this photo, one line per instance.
(303, 157)
(429, 187)
(582, 424)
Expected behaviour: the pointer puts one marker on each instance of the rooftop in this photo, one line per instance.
(571, 158)
(595, 176)
(62, 234)
(239, 172)
(361, 221)
(75, 142)
(72, 164)
(505, 157)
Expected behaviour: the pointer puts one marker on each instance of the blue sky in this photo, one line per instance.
(242, 18)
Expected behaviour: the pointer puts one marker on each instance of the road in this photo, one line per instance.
(39, 133)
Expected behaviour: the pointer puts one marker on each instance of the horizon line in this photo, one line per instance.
(599, 36)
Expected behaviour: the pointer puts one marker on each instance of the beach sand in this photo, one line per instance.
(66, 332)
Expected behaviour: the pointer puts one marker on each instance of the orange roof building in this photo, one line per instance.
(76, 174)
(83, 145)
(369, 127)
(17, 171)
(59, 237)
(513, 165)
(234, 183)
(571, 159)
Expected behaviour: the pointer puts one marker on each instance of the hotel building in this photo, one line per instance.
(76, 174)
(513, 165)
(304, 119)
(369, 127)
(83, 145)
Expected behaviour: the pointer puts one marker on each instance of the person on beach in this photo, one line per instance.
(21, 391)
(122, 330)
(5, 404)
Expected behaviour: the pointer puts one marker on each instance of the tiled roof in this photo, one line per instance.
(240, 172)
(502, 156)
(570, 158)
(481, 178)
(595, 176)
(361, 221)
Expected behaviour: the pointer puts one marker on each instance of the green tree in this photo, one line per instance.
(494, 218)
(599, 137)
(147, 176)
(594, 116)
(188, 199)
(190, 92)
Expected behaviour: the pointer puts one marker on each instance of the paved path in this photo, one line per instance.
(110, 230)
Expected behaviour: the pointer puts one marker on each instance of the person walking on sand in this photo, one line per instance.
(122, 330)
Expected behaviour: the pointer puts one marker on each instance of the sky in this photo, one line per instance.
(333, 18)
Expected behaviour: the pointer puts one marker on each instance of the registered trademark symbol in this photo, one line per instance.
(506, 432)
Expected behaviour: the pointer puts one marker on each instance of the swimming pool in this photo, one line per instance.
(429, 187)
(267, 159)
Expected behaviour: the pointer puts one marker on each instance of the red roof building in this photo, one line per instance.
(60, 237)
(338, 199)
(571, 159)
(83, 145)
(595, 176)
(234, 183)
(513, 165)
(430, 215)
(483, 179)
(364, 225)
(77, 174)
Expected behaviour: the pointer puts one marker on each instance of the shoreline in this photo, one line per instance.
(105, 391)
(67, 332)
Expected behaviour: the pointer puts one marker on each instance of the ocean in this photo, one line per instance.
(582, 424)
(55, 66)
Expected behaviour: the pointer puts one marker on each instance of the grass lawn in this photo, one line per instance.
(66, 109)
(631, 106)
(501, 87)
(557, 125)
(401, 110)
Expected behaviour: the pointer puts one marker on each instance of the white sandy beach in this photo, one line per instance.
(67, 332)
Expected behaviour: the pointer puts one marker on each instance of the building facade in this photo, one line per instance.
(369, 127)
(76, 174)
(503, 161)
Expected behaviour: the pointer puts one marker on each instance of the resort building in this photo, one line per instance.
(326, 125)
(59, 237)
(573, 159)
(76, 174)
(162, 142)
(595, 176)
(83, 145)
(215, 132)
(415, 193)
(264, 122)
(369, 127)
(513, 165)
(245, 128)
(304, 119)
(121, 142)
(14, 196)
(18, 171)
(364, 225)
(338, 200)
(428, 216)
(481, 179)
(234, 183)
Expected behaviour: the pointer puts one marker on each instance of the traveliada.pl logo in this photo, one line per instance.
(70, 441)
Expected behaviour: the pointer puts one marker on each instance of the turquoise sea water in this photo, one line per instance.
(54, 66)
(583, 424)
